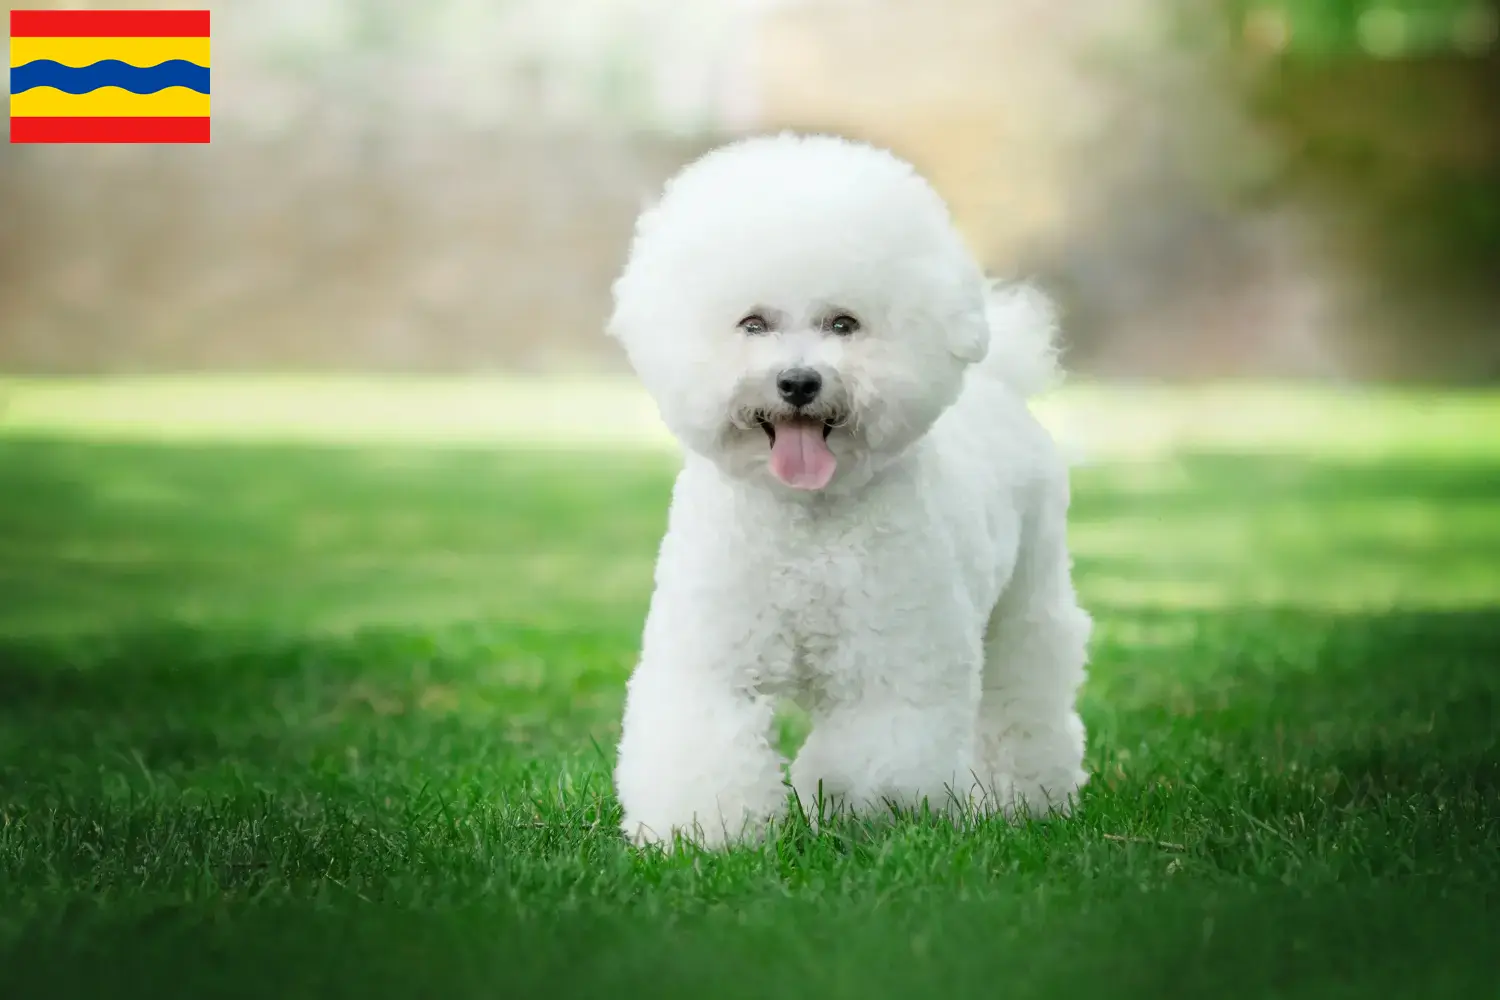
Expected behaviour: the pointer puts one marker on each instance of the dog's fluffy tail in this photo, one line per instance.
(1023, 350)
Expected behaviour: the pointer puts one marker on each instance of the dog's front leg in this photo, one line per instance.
(695, 756)
(887, 748)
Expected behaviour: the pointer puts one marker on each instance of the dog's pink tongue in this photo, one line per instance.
(800, 456)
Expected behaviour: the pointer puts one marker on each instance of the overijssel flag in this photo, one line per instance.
(109, 76)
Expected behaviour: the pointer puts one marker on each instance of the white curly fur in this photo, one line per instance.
(920, 604)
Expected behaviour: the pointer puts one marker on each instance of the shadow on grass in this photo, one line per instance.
(96, 537)
(1386, 941)
(214, 709)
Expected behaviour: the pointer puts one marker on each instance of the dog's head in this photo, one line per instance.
(801, 308)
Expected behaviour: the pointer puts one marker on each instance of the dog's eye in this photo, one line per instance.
(843, 324)
(754, 324)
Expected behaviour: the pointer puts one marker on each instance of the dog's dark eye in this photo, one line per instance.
(754, 324)
(843, 324)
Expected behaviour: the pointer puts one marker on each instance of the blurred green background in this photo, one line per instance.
(328, 515)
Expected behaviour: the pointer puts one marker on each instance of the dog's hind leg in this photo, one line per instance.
(1029, 754)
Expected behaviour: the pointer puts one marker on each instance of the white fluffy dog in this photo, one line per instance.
(864, 522)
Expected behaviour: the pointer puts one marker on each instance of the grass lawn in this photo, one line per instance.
(311, 689)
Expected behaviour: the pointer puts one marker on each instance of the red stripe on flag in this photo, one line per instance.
(109, 130)
(109, 24)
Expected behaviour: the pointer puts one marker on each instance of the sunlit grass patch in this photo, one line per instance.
(1096, 422)
(553, 411)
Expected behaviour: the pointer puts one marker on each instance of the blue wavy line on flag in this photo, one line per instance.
(109, 73)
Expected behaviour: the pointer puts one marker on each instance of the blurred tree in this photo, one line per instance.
(1387, 116)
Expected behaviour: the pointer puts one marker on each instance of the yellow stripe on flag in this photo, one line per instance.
(86, 51)
(108, 102)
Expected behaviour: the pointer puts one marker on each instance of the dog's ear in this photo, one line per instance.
(617, 322)
(621, 315)
(969, 335)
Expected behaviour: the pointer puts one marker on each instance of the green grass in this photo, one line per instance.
(303, 715)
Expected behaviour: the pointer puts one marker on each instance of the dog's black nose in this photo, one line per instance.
(799, 386)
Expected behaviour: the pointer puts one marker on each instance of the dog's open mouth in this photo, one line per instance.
(800, 456)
